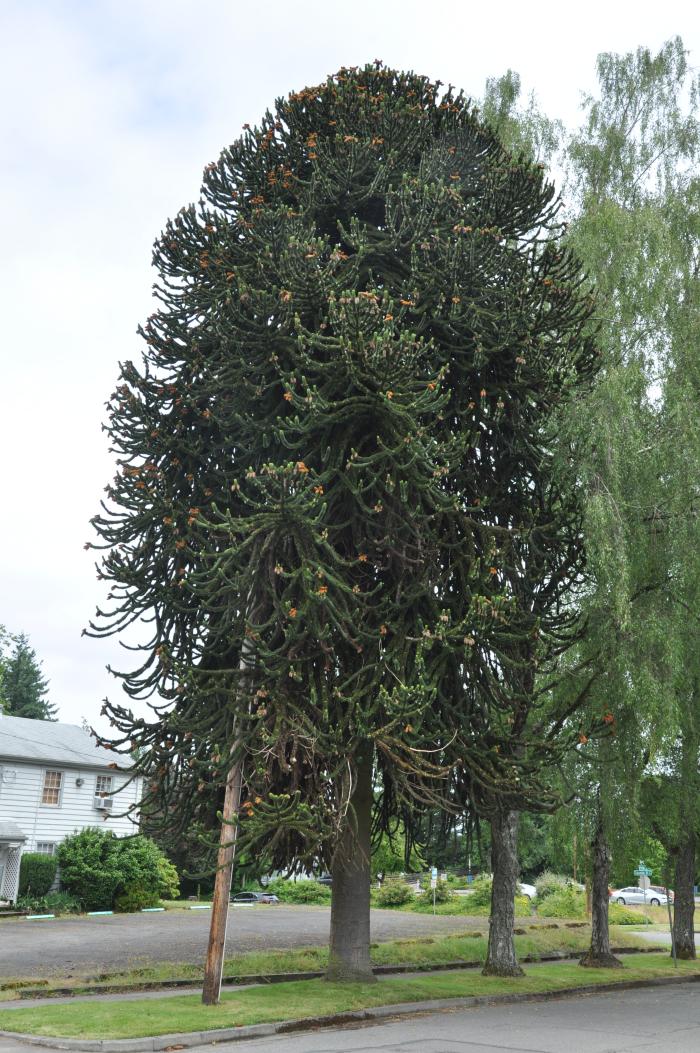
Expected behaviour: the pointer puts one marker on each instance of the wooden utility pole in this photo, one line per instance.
(213, 969)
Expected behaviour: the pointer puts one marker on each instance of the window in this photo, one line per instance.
(103, 786)
(46, 848)
(103, 792)
(52, 787)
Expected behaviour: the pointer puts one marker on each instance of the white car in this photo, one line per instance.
(526, 890)
(634, 894)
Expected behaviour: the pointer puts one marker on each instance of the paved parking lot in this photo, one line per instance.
(89, 946)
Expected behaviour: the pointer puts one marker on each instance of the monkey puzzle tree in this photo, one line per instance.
(331, 468)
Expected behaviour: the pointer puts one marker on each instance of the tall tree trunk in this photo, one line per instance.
(599, 955)
(348, 957)
(500, 956)
(684, 903)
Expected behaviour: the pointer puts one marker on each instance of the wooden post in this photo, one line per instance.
(213, 969)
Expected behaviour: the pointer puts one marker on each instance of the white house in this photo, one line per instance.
(55, 780)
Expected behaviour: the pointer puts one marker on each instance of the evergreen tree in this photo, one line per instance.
(336, 503)
(24, 686)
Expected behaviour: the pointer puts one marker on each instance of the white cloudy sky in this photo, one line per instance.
(110, 110)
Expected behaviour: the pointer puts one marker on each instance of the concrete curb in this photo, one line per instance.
(233, 1034)
(33, 993)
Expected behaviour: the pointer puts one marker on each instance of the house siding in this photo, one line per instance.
(21, 786)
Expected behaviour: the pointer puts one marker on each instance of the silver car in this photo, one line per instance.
(634, 894)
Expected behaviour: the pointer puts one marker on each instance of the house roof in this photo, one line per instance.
(10, 831)
(48, 741)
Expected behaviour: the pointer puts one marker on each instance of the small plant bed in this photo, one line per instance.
(427, 951)
(305, 999)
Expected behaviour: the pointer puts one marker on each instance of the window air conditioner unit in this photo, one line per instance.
(103, 803)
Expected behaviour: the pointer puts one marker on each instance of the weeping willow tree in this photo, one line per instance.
(335, 506)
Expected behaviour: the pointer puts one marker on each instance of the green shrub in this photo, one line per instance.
(36, 874)
(480, 891)
(96, 866)
(443, 893)
(549, 882)
(394, 893)
(564, 903)
(299, 891)
(89, 871)
(168, 880)
(619, 915)
(135, 898)
(52, 903)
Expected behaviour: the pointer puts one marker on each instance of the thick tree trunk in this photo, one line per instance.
(684, 903)
(348, 957)
(500, 956)
(599, 955)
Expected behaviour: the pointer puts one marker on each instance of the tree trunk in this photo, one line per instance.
(684, 903)
(348, 957)
(599, 955)
(500, 956)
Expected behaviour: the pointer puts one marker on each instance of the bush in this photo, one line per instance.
(52, 903)
(443, 893)
(89, 870)
(299, 891)
(480, 891)
(394, 893)
(549, 882)
(566, 902)
(619, 915)
(135, 898)
(168, 880)
(96, 866)
(36, 874)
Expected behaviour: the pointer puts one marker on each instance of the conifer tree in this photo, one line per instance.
(335, 502)
(24, 687)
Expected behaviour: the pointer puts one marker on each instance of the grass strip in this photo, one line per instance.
(427, 951)
(304, 999)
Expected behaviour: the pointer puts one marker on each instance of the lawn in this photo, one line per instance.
(469, 946)
(307, 998)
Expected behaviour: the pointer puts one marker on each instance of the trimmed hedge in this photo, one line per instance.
(299, 891)
(36, 874)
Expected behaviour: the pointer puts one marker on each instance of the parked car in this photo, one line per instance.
(526, 890)
(254, 897)
(634, 894)
(325, 880)
(664, 891)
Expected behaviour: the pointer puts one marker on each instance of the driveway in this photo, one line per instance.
(90, 946)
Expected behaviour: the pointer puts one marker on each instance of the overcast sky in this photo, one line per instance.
(109, 113)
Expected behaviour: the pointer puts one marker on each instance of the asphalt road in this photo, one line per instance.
(89, 946)
(652, 1020)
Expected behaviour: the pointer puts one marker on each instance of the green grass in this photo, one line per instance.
(306, 998)
(468, 946)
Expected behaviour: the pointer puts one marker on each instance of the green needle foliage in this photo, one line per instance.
(337, 507)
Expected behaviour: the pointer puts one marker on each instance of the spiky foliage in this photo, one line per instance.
(23, 684)
(335, 501)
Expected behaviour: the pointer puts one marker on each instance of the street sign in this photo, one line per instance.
(642, 869)
(644, 881)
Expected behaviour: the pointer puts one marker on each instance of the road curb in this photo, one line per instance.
(233, 1034)
(32, 993)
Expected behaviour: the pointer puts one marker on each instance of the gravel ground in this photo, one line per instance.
(88, 946)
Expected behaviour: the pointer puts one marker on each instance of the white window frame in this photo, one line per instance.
(44, 788)
(46, 848)
(104, 790)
